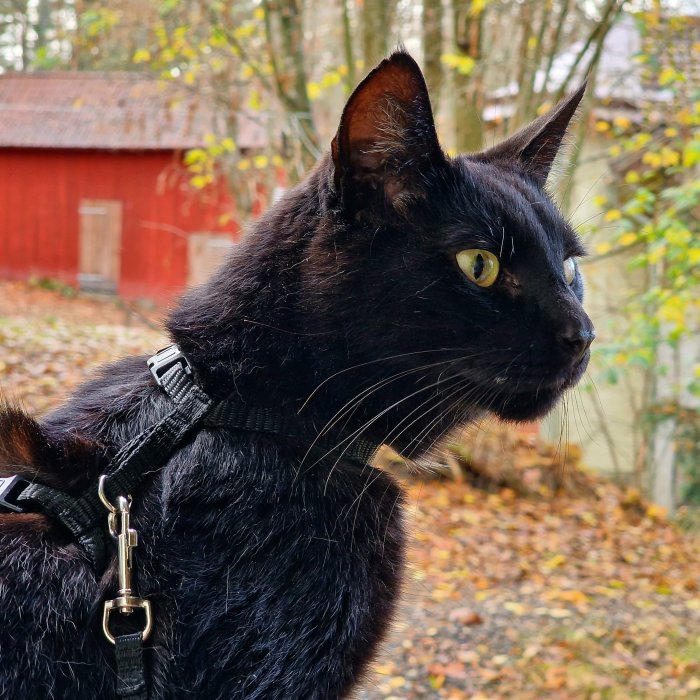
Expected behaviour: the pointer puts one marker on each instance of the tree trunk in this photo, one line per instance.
(469, 89)
(285, 38)
(348, 48)
(43, 25)
(376, 20)
(432, 49)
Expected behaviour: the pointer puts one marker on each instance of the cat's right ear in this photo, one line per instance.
(386, 142)
(536, 145)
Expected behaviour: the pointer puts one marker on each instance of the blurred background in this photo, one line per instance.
(138, 140)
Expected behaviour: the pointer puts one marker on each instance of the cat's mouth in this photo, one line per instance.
(532, 394)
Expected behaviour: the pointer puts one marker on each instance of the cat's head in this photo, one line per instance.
(461, 267)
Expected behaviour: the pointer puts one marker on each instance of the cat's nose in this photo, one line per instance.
(576, 338)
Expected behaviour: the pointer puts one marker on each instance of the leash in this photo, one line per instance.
(83, 516)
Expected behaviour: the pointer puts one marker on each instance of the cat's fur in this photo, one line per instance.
(272, 573)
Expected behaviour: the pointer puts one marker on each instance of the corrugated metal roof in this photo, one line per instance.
(108, 111)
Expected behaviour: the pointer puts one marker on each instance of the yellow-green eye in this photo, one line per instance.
(570, 270)
(480, 266)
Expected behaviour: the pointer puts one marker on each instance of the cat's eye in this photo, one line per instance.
(570, 270)
(480, 266)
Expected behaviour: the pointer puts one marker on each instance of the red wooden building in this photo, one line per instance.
(93, 191)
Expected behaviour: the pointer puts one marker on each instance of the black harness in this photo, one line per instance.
(84, 516)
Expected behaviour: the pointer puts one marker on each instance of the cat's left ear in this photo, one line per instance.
(535, 146)
(386, 142)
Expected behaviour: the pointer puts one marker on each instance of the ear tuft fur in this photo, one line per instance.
(386, 134)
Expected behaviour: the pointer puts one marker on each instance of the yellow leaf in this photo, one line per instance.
(330, 79)
(667, 76)
(436, 681)
(632, 177)
(313, 90)
(628, 238)
(603, 248)
(653, 159)
(385, 669)
(532, 42)
(199, 182)
(691, 154)
(622, 122)
(478, 6)
(397, 682)
(657, 254)
(602, 126)
(254, 102)
(277, 161)
(669, 157)
(656, 512)
(613, 215)
(229, 144)
(141, 56)
(243, 164)
(463, 64)
(260, 161)
(556, 561)
(515, 608)
(572, 596)
(694, 256)
(600, 200)
(259, 14)
(671, 132)
(679, 236)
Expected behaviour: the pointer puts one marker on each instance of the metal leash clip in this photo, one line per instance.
(127, 539)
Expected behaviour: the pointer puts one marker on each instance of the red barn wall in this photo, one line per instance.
(40, 194)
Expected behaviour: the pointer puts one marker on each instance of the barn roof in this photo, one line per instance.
(109, 111)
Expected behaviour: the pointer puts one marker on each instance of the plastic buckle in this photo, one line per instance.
(10, 488)
(164, 359)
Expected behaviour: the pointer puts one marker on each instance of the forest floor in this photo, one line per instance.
(536, 584)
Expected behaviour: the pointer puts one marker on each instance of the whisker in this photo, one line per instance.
(371, 362)
(353, 404)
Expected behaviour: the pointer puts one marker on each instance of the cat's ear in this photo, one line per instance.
(386, 141)
(535, 146)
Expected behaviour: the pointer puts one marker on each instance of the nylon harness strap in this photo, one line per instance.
(194, 409)
(84, 516)
(131, 679)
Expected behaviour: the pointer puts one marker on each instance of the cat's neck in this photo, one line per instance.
(247, 331)
(261, 329)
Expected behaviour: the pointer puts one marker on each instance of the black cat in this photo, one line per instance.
(393, 294)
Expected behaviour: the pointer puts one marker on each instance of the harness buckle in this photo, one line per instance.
(164, 359)
(127, 539)
(10, 488)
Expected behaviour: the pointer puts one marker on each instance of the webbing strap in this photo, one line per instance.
(237, 416)
(148, 451)
(131, 679)
(81, 519)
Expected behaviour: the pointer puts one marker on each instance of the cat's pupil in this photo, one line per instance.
(478, 266)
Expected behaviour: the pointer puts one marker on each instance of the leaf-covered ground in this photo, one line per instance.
(515, 589)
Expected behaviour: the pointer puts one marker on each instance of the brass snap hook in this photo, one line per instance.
(126, 538)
